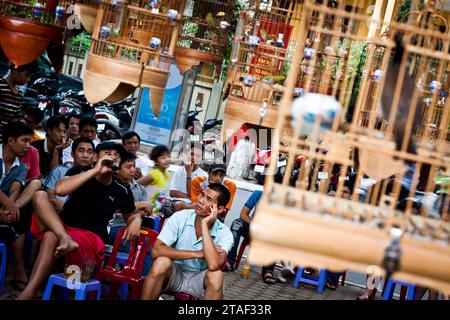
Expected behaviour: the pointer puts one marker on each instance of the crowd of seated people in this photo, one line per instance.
(74, 194)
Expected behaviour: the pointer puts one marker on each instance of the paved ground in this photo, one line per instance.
(253, 288)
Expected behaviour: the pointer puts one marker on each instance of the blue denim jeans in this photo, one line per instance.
(239, 228)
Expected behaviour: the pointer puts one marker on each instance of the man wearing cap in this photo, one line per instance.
(216, 174)
(80, 231)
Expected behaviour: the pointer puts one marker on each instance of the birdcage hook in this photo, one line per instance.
(392, 253)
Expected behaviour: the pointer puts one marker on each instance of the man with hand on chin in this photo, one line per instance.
(191, 249)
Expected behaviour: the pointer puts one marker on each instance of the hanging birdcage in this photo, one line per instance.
(86, 11)
(204, 33)
(394, 212)
(27, 28)
(132, 45)
(261, 56)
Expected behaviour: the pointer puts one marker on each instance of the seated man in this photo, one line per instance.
(240, 228)
(15, 199)
(132, 143)
(126, 174)
(81, 230)
(216, 174)
(180, 185)
(50, 149)
(87, 129)
(83, 155)
(191, 249)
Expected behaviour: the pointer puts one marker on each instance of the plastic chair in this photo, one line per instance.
(81, 288)
(317, 281)
(390, 288)
(244, 244)
(131, 272)
(3, 254)
(121, 259)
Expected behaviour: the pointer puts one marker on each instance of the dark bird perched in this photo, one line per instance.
(405, 101)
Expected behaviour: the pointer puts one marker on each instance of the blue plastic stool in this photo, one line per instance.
(317, 281)
(3, 254)
(80, 293)
(390, 288)
(123, 291)
(157, 222)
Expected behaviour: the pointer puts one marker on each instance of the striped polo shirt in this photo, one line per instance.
(10, 104)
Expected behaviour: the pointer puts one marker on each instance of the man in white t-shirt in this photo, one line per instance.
(132, 142)
(180, 187)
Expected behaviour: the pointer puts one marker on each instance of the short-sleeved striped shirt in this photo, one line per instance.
(10, 104)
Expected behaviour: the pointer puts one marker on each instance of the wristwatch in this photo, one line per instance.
(188, 177)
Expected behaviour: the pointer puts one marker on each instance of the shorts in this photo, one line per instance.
(91, 246)
(190, 282)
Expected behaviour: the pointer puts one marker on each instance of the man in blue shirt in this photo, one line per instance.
(15, 217)
(191, 249)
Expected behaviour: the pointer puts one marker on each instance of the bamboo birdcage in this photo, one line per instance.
(27, 29)
(253, 79)
(204, 33)
(87, 10)
(298, 220)
(132, 45)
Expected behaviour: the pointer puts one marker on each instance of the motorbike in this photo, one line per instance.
(46, 91)
(208, 135)
(263, 160)
(76, 103)
(41, 96)
(114, 119)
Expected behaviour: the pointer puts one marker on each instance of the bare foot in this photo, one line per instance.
(66, 245)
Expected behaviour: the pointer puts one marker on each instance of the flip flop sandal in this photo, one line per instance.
(269, 278)
(331, 286)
